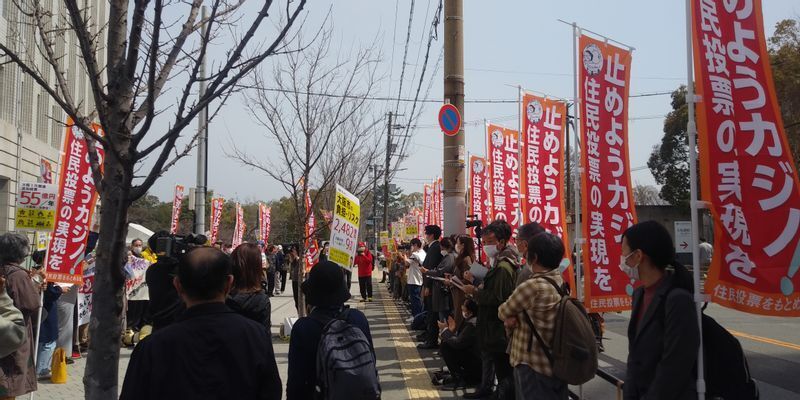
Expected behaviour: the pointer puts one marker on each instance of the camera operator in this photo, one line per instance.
(165, 303)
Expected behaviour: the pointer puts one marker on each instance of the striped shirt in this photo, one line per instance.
(539, 299)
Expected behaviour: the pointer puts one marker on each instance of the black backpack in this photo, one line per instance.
(727, 374)
(346, 367)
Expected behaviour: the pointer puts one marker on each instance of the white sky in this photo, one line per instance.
(505, 43)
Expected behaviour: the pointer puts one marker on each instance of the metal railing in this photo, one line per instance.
(608, 377)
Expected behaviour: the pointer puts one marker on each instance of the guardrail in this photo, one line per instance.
(608, 377)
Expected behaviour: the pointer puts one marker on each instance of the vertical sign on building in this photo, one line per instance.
(747, 169)
(607, 196)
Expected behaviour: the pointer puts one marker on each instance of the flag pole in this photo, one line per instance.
(576, 180)
(520, 136)
(691, 129)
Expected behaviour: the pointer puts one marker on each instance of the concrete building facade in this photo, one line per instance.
(31, 123)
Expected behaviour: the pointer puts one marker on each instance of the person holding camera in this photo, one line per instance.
(228, 356)
(165, 303)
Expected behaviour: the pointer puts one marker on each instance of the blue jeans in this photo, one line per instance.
(44, 358)
(415, 295)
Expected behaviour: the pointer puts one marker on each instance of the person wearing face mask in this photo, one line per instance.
(465, 256)
(363, 261)
(497, 286)
(534, 305)
(663, 335)
(137, 316)
(433, 255)
(524, 234)
(460, 349)
(440, 298)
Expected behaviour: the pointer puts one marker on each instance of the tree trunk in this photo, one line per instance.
(105, 325)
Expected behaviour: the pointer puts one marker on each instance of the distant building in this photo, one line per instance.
(31, 123)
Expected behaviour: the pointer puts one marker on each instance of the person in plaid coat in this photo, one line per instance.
(533, 374)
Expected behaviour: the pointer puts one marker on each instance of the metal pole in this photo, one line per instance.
(577, 181)
(454, 204)
(520, 161)
(691, 129)
(202, 151)
(375, 204)
(386, 175)
(567, 158)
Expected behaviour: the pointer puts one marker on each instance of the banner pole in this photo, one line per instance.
(691, 129)
(576, 180)
(520, 215)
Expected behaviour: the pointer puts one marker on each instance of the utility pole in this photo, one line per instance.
(374, 169)
(386, 174)
(454, 193)
(202, 151)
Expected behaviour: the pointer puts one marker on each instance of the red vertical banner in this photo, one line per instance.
(479, 200)
(77, 197)
(420, 225)
(238, 229)
(440, 184)
(177, 200)
(743, 143)
(503, 145)
(216, 217)
(261, 224)
(267, 223)
(607, 196)
(542, 173)
(437, 202)
(310, 231)
(426, 204)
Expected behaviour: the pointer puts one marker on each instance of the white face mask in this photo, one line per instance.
(444, 252)
(491, 250)
(465, 315)
(632, 272)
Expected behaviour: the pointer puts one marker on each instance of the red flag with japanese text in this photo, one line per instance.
(440, 203)
(607, 197)
(743, 144)
(238, 229)
(263, 222)
(310, 231)
(77, 197)
(503, 157)
(437, 202)
(177, 200)
(216, 217)
(426, 204)
(479, 200)
(542, 173)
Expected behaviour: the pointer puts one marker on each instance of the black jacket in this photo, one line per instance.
(465, 338)
(165, 304)
(662, 348)
(255, 306)
(433, 256)
(211, 352)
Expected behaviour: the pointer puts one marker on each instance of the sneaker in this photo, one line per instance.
(76, 354)
(454, 384)
(369, 299)
(44, 377)
(409, 320)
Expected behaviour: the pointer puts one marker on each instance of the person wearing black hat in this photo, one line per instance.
(326, 293)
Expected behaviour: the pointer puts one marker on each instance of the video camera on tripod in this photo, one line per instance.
(177, 245)
(474, 222)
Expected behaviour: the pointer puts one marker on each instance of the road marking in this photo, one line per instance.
(766, 340)
(415, 374)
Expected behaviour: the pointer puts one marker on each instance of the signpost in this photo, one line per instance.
(449, 120)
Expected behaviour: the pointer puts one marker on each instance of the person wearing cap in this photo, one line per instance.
(326, 293)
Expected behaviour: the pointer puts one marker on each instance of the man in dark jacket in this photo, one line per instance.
(433, 256)
(211, 352)
(497, 286)
(460, 349)
(165, 303)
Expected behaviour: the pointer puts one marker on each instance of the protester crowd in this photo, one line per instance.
(494, 323)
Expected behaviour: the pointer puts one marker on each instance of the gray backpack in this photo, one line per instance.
(346, 367)
(573, 350)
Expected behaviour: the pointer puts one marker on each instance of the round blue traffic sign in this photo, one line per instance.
(449, 120)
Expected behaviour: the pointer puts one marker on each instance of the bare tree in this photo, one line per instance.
(152, 51)
(315, 113)
(647, 195)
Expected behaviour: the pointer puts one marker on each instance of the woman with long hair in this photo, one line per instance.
(465, 257)
(248, 297)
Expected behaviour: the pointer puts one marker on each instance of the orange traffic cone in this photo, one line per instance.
(58, 367)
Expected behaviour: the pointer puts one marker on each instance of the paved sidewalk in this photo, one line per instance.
(403, 372)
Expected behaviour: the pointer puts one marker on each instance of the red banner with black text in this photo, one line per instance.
(743, 144)
(479, 197)
(216, 217)
(606, 186)
(177, 200)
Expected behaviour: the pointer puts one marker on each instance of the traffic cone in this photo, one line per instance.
(58, 367)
